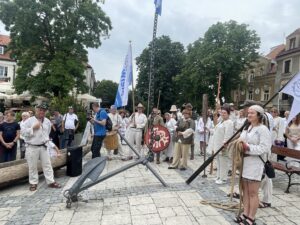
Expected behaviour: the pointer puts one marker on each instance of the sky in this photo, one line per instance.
(185, 21)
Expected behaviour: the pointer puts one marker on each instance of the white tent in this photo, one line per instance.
(3, 96)
(86, 97)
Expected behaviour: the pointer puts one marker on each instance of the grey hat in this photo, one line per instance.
(249, 103)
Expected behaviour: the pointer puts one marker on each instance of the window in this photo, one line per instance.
(251, 77)
(250, 95)
(3, 71)
(287, 66)
(285, 96)
(272, 67)
(266, 95)
(1, 50)
(292, 43)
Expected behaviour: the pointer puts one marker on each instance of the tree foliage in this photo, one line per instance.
(52, 36)
(168, 61)
(226, 47)
(106, 90)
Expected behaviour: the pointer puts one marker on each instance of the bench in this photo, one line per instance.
(282, 164)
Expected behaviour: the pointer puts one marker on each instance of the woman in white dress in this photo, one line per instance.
(171, 126)
(257, 143)
(202, 132)
(123, 125)
(239, 121)
(292, 133)
(223, 131)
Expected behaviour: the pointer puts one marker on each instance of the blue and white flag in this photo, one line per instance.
(158, 5)
(125, 81)
(293, 89)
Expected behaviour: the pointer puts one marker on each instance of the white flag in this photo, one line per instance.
(125, 81)
(293, 89)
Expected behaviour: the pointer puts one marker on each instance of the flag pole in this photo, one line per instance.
(133, 101)
(151, 72)
(211, 158)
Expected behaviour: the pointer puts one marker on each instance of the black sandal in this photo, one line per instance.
(247, 220)
(264, 205)
(240, 218)
(234, 195)
(33, 187)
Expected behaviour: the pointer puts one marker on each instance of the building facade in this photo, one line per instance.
(259, 80)
(288, 65)
(7, 67)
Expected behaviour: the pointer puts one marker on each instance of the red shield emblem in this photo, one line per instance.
(161, 138)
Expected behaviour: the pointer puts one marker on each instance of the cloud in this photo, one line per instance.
(186, 21)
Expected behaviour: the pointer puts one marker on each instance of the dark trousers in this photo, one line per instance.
(10, 154)
(96, 146)
(68, 138)
(22, 148)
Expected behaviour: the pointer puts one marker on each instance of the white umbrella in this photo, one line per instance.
(3, 96)
(86, 97)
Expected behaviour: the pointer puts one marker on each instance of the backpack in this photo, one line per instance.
(108, 124)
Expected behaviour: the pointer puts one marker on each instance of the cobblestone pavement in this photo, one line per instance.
(136, 197)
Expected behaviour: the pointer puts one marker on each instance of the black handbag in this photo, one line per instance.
(269, 169)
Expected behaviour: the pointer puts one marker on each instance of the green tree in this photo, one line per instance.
(168, 62)
(226, 47)
(52, 36)
(106, 90)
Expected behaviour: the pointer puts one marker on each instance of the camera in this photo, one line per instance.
(89, 115)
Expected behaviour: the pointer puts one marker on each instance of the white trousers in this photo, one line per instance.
(169, 151)
(33, 154)
(135, 139)
(266, 186)
(222, 166)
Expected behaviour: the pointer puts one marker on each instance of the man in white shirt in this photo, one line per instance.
(137, 123)
(69, 125)
(35, 131)
(116, 122)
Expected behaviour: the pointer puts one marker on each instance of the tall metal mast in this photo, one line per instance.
(151, 73)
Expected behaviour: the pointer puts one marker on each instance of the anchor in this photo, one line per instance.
(93, 168)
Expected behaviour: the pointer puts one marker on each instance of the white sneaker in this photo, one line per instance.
(220, 182)
(218, 178)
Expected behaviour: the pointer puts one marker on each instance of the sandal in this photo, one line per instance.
(248, 221)
(264, 205)
(240, 218)
(54, 185)
(33, 187)
(234, 195)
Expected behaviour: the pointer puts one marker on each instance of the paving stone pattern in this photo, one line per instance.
(136, 197)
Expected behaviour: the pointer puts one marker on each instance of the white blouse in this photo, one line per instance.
(223, 131)
(259, 140)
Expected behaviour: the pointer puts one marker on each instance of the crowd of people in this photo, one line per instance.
(258, 131)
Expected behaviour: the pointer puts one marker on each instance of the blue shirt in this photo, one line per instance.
(100, 130)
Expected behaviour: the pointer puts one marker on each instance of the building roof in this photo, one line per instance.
(275, 51)
(297, 31)
(291, 51)
(4, 41)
